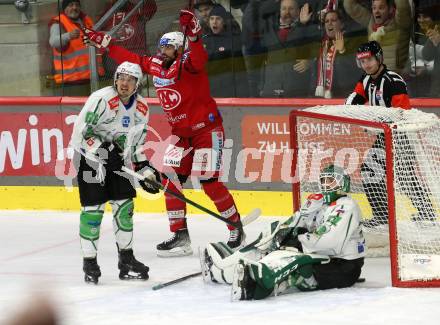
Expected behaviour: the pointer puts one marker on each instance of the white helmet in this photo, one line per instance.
(132, 69)
(172, 38)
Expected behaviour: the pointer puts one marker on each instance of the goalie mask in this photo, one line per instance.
(332, 181)
(131, 69)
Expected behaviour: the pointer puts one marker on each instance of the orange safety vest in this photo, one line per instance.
(72, 64)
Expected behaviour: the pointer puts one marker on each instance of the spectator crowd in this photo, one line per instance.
(269, 48)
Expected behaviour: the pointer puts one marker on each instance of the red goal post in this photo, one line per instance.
(414, 245)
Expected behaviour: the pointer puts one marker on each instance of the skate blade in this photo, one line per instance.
(175, 252)
(203, 266)
(90, 280)
(236, 290)
(134, 276)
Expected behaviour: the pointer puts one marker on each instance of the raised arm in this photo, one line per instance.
(403, 14)
(358, 12)
(119, 54)
(197, 57)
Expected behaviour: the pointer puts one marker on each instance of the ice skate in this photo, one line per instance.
(130, 268)
(205, 264)
(178, 245)
(236, 239)
(242, 284)
(91, 269)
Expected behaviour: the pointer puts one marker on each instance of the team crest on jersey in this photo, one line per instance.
(141, 107)
(169, 98)
(113, 103)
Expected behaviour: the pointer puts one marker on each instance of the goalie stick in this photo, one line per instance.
(178, 280)
(252, 216)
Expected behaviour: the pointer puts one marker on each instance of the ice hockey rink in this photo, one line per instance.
(40, 256)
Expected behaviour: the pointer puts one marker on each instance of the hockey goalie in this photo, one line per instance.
(320, 247)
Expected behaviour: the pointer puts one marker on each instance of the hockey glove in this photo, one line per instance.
(150, 173)
(114, 160)
(190, 23)
(96, 39)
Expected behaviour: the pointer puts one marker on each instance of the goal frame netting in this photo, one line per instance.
(389, 162)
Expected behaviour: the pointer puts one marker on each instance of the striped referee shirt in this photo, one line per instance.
(388, 89)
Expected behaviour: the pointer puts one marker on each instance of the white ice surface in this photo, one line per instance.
(40, 254)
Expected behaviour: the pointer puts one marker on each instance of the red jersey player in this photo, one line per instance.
(194, 118)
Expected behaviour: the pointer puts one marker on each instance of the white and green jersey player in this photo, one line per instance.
(106, 119)
(111, 128)
(320, 247)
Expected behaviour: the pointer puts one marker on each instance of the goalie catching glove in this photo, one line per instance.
(96, 39)
(151, 176)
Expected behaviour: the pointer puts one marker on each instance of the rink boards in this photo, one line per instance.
(34, 163)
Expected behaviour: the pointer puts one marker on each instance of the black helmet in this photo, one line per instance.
(369, 49)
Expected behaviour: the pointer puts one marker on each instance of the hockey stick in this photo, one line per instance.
(252, 216)
(178, 280)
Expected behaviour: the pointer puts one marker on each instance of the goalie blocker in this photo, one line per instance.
(320, 247)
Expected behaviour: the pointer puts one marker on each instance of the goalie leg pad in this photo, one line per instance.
(89, 228)
(243, 285)
(303, 279)
(219, 261)
(281, 270)
(123, 222)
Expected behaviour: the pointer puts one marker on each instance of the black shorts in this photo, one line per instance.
(92, 192)
(338, 273)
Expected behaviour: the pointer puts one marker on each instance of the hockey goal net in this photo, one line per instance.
(392, 157)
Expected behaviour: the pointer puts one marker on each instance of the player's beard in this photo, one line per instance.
(167, 61)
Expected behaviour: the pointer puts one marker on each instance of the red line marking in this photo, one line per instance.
(36, 251)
